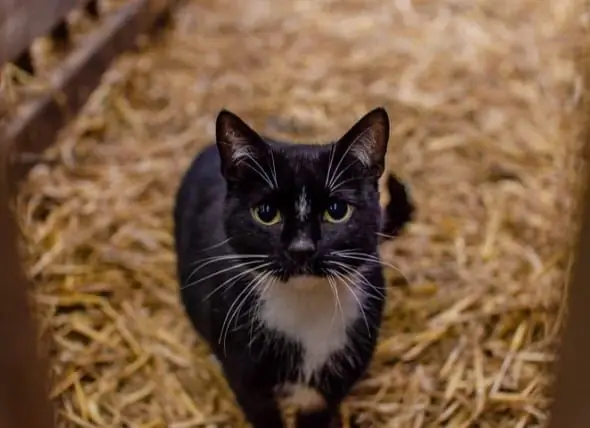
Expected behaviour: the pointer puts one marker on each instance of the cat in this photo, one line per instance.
(278, 266)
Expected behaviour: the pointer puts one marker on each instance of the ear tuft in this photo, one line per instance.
(367, 139)
(236, 141)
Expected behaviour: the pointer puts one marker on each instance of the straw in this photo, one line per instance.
(485, 101)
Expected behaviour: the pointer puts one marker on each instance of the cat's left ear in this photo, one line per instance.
(237, 143)
(367, 140)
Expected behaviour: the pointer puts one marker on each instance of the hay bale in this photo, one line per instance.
(484, 98)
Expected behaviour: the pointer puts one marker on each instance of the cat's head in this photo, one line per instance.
(309, 209)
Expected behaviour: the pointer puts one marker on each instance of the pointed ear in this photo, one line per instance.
(237, 143)
(367, 140)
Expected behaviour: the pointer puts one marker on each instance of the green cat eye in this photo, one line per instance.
(266, 214)
(337, 211)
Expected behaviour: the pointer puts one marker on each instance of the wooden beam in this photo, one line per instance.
(22, 21)
(571, 408)
(38, 122)
(24, 386)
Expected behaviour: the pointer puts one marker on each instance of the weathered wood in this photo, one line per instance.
(24, 374)
(60, 34)
(25, 62)
(38, 122)
(92, 9)
(22, 21)
(571, 408)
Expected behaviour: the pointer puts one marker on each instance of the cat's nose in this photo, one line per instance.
(301, 248)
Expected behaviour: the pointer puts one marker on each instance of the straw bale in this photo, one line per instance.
(484, 98)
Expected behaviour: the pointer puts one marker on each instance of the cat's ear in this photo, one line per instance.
(237, 144)
(367, 140)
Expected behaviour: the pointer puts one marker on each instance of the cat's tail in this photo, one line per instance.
(398, 211)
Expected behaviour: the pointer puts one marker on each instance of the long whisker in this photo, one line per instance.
(235, 278)
(334, 291)
(219, 244)
(386, 237)
(236, 300)
(207, 261)
(340, 163)
(370, 258)
(274, 169)
(347, 283)
(359, 275)
(230, 257)
(334, 288)
(330, 161)
(341, 183)
(260, 171)
(257, 307)
(219, 272)
(334, 182)
(250, 288)
(361, 136)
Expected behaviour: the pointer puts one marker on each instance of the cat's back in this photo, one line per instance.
(199, 203)
(201, 182)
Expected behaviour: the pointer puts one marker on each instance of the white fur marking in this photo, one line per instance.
(302, 206)
(214, 360)
(306, 310)
(363, 147)
(302, 396)
(240, 147)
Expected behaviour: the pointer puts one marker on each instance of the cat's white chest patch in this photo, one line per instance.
(307, 311)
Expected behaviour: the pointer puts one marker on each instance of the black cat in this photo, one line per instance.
(278, 263)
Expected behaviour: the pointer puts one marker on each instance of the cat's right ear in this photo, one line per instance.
(238, 144)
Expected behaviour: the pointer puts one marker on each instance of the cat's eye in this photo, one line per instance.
(266, 214)
(337, 211)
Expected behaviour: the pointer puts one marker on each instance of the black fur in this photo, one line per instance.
(213, 217)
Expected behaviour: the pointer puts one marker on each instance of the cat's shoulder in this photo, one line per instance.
(209, 155)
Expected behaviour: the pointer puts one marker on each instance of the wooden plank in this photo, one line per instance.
(22, 21)
(24, 386)
(39, 121)
(571, 408)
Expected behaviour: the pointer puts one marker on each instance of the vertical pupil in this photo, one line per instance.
(337, 210)
(265, 212)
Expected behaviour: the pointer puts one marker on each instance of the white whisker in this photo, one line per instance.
(219, 244)
(349, 286)
(219, 272)
(334, 288)
(222, 335)
(254, 321)
(330, 161)
(274, 169)
(229, 257)
(260, 170)
(334, 182)
(334, 293)
(235, 278)
(361, 136)
(364, 257)
(250, 288)
(208, 260)
(385, 235)
(360, 276)
(341, 183)
(338, 166)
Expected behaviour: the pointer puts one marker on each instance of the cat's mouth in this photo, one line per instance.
(287, 274)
